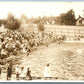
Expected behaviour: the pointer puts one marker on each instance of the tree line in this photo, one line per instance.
(13, 23)
(67, 18)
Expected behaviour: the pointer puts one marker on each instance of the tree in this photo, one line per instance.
(12, 22)
(40, 26)
(68, 18)
(24, 19)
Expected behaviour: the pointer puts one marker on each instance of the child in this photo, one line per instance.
(17, 72)
(9, 72)
(28, 75)
(22, 73)
(0, 71)
(47, 71)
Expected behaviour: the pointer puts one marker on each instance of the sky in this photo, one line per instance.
(36, 9)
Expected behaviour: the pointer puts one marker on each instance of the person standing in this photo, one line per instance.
(17, 72)
(22, 73)
(28, 75)
(47, 72)
(0, 70)
(9, 72)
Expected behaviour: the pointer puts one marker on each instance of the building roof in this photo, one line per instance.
(80, 17)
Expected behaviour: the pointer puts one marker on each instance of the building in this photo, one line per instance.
(49, 20)
(80, 21)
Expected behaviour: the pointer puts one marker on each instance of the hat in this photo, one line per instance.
(27, 67)
(47, 64)
(17, 65)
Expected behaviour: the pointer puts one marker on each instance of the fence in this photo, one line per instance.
(69, 31)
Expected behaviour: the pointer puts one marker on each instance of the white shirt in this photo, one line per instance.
(17, 70)
(22, 73)
(47, 72)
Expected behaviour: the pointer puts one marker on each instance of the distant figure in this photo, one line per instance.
(17, 72)
(22, 73)
(78, 37)
(9, 72)
(28, 75)
(0, 71)
(59, 39)
(47, 72)
(79, 51)
(2, 25)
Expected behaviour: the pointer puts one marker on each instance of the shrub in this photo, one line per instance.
(12, 23)
(40, 26)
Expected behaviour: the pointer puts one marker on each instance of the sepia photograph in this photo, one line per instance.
(41, 41)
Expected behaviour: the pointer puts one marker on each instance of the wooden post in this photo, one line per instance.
(74, 32)
(61, 31)
(49, 30)
(68, 32)
(55, 31)
(79, 31)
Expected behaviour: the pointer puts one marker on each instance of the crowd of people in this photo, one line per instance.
(77, 38)
(12, 42)
(21, 73)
